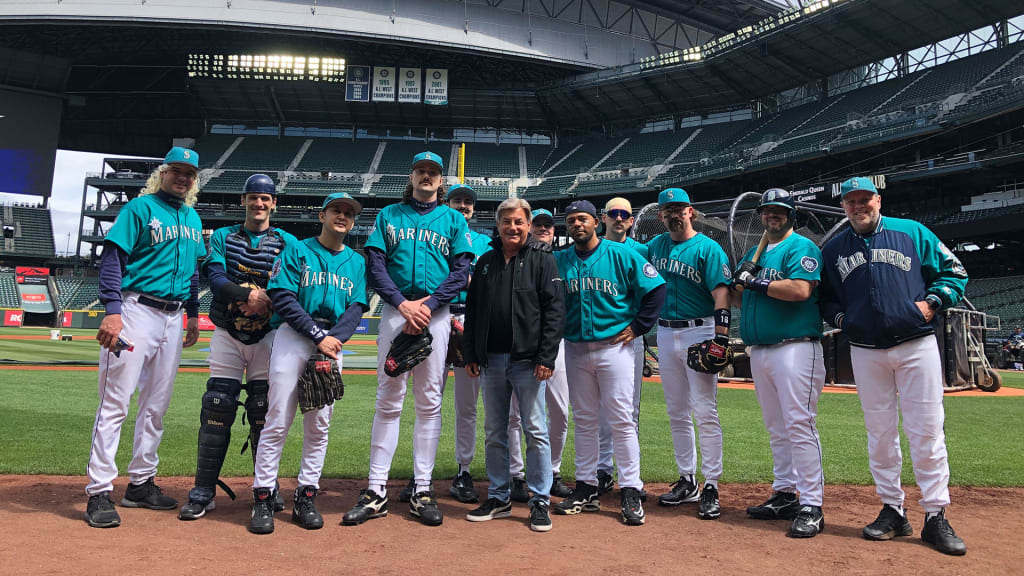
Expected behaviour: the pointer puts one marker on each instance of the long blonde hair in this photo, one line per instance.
(153, 184)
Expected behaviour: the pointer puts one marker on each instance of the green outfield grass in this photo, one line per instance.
(1013, 379)
(46, 419)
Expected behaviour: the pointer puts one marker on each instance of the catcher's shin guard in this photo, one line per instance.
(256, 406)
(220, 404)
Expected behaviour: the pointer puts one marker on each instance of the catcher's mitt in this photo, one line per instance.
(456, 357)
(246, 324)
(408, 350)
(709, 356)
(320, 384)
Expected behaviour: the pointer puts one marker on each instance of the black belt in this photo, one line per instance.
(804, 339)
(457, 309)
(323, 323)
(165, 305)
(680, 323)
(414, 296)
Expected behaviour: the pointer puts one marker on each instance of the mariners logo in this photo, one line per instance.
(726, 272)
(155, 223)
(650, 271)
(809, 264)
(469, 239)
(276, 269)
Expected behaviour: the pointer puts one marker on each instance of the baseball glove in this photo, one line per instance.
(709, 356)
(320, 384)
(247, 324)
(408, 350)
(455, 357)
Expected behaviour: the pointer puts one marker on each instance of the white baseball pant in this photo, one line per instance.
(467, 394)
(289, 353)
(906, 378)
(150, 368)
(557, 396)
(689, 396)
(607, 449)
(428, 387)
(230, 358)
(788, 379)
(599, 375)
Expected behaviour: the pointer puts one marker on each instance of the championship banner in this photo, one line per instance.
(409, 85)
(437, 87)
(383, 84)
(357, 84)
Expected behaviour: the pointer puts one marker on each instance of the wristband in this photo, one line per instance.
(934, 302)
(723, 317)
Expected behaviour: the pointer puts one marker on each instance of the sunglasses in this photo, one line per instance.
(619, 214)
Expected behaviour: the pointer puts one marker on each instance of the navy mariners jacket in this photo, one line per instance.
(870, 282)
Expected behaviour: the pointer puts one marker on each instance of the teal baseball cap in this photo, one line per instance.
(857, 183)
(540, 214)
(342, 197)
(428, 157)
(179, 155)
(461, 189)
(673, 196)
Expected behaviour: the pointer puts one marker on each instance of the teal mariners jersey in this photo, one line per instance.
(692, 269)
(603, 292)
(481, 245)
(640, 247)
(419, 247)
(163, 243)
(325, 284)
(765, 320)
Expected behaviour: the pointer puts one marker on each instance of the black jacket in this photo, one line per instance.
(538, 305)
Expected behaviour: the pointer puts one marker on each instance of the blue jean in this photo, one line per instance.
(498, 380)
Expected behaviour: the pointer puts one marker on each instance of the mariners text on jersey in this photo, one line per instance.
(847, 264)
(573, 285)
(321, 278)
(678, 268)
(158, 232)
(395, 235)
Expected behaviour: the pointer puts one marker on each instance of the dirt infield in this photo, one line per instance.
(45, 533)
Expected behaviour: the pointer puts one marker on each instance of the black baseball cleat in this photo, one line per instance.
(809, 522)
(262, 519)
(708, 508)
(540, 520)
(683, 491)
(781, 506)
(584, 497)
(492, 508)
(462, 489)
(605, 482)
(889, 524)
(147, 495)
(304, 512)
(194, 510)
(278, 498)
(632, 509)
(558, 488)
(941, 536)
(100, 512)
(369, 506)
(424, 506)
(406, 494)
(520, 493)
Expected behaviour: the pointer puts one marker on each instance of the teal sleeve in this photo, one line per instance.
(217, 248)
(646, 277)
(359, 279)
(944, 275)
(716, 267)
(463, 241)
(804, 263)
(288, 238)
(127, 227)
(376, 238)
(285, 274)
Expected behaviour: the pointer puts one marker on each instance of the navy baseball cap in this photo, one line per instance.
(428, 157)
(581, 206)
(673, 196)
(463, 189)
(344, 197)
(857, 183)
(179, 155)
(542, 214)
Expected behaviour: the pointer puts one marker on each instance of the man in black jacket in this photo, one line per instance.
(514, 320)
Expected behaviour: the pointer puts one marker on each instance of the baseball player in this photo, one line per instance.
(781, 323)
(462, 198)
(618, 219)
(556, 390)
(696, 310)
(612, 296)
(149, 271)
(884, 280)
(419, 255)
(241, 257)
(318, 290)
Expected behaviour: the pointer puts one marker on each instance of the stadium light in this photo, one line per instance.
(266, 67)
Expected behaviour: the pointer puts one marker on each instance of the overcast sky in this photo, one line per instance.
(69, 173)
